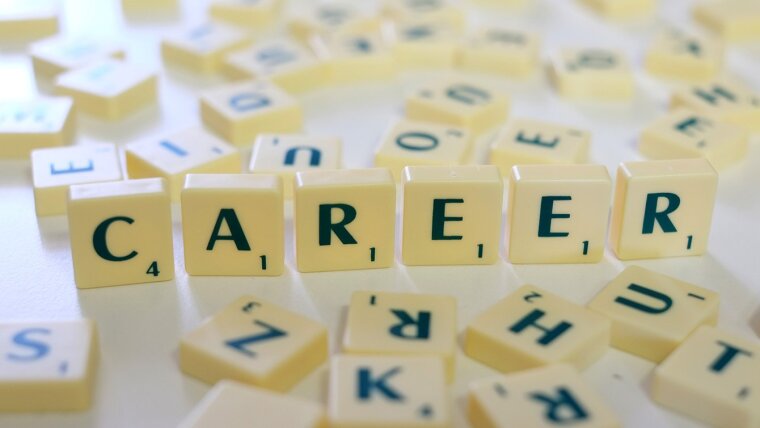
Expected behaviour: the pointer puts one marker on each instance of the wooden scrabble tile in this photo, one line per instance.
(230, 404)
(142, 8)
(558, 213)
(732, 20)
(451, 215)
(683, 133)
(254, 342)
(712, 377)
(356, 55)
(623, 9)
(245, 13)
(283, 61)
(677, 55)
(286, 154)
(458, 102)
(203, 48)
(662, 208)
(328, 18)
(527, 141)
(444, 11)
(240, 111)
(53, 56)
(31, 124)
(545, 397)
(411, 143)
(28, 19)
(384, 323)
(55, 169)
(502, 52)
(344, 219)
(121, 232)
(592, 74)
(233, 224)
(175, 155)
(653, 313)
(424, 44)
(109, 89)
(724, 100)
(47, 366)
(375, 391)
(532, 328)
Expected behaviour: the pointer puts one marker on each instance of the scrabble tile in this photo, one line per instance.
(558, 213)
(653, 313)
(203, 48)
(254, 342)
(109, 89)
(55, 169)
(147, 7)
(286, 154)
(53, 56)
(527, 141)
(732, 20)
(233, 224)
(121, 232)
(344, 219)
(384, 323)
(26, 125)
(353, 56)
(283, 61)
(532, 328)
(375, 391)
(47, 366)
(592, 74)
(683, 133)
(451, 215)
(502, 52)
(712, 377)
(443, 11)
(328, 18)
(407, 142)
(424, 44)
(177, 154)
(724, 100)
(240, 111)
(230, 404)
(677, 55)
(662, 208)
(458, 102)
(246, 13)
(623, 9)
(545, 397)
(28, 19)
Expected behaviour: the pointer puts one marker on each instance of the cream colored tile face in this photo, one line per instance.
(233, 405)
(713, 378)
(33, 124)
(732, 20)
(452, 215)
(233, 224)
(283, 61)
(356, 55)
(47, 366)
(202, 48)
(424, 44)
(246, 13)
(525, 141)
(442, 11)
(383, 323)
(109, 89)
(501, 51)
(387, 391)
(622, 9)
(53, 56)
(286, 154)
(662, 208)
(593, 74)
(558, 213)
(320, 19)
(344, 219)
(254, 342)
(532, 328)
(28, 19)
(121, 232)
(653, 313)
(240, 111)
(140, 7)
(410, 143)
(458, 102)
(724, 100)
(54, 170)
(546, 397)
(680, 56)
(683, 133)
(174, 155)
